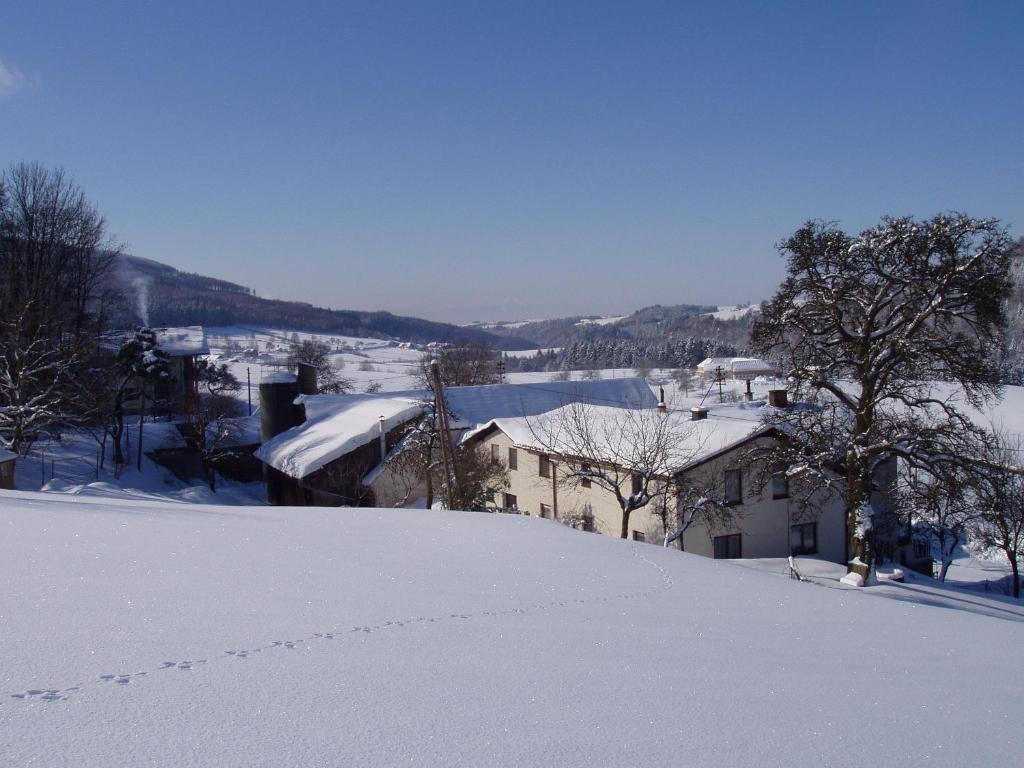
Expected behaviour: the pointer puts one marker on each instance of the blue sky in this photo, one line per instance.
(478, 160)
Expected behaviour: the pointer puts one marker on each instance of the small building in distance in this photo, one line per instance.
(739, 368)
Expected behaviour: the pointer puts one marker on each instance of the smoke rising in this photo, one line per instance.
(141, 285)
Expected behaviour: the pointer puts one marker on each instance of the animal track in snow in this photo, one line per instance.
(56, 694)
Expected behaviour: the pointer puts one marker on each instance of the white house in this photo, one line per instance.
(717, 453)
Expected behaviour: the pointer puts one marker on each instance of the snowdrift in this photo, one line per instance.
(155, 633)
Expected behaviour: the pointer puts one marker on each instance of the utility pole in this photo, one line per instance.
(142, 416)
(248, 384)
(451, 470)
(554, 490)
(720, 379)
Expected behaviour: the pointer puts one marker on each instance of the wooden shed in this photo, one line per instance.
(7, 459)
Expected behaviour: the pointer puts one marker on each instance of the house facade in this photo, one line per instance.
(765, 519)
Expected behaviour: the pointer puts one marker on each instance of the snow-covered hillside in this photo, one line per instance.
(168, 634)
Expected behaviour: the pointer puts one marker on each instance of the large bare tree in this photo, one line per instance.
(54, 258)
(886, 334)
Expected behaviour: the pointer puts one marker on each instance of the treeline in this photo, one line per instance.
(676, 352)
(167, 296)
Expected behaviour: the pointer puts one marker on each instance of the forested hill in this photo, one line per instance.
(661, 336)
(654, 322)
(173, 297)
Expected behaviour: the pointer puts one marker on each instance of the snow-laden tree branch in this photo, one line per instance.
(887, 335)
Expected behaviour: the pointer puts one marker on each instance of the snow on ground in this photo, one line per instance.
(69, 465)
(601, 320)
(980, 596)
(734, 313)
(167, 634)
(390, 364)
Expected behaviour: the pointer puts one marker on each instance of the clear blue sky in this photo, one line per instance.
(512, 159)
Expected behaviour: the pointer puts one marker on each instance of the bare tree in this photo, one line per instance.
(480, 478)
(318, 354)
(864, 326)
(213, 430)
(941, 507)
(999, 491)
(461, 365)
(683, 377)
(416, 466)
(698, 502)
(631, 454)
(54, 256)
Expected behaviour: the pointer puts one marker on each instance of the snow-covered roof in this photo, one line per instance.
(727, 426)
(715, 362)
(338, 424)
(329, 433)
(187, 340)
(6, 455)
(740, 364)
(735, 364)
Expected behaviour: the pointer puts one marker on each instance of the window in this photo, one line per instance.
(733, 487)
(584, 482)
(639, 536)
(545, 511)
(638, 483)
(545, 466)
(588, 519)
(511, 502)
(494, 453)
(780, 486)
(803, 539)
(728, 547)
(513, 459)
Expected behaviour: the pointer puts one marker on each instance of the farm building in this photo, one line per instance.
(335, 449)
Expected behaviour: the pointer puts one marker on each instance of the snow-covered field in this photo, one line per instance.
(142, 633)
(734, 312)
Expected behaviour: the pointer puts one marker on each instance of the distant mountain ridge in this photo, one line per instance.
(656, 321)
(159, 294)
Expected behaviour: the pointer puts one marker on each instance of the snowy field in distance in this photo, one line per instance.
(170, 634)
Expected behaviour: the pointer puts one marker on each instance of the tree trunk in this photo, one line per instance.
(1014, 573)
(859, 545)
(625, 523)
(947, 554)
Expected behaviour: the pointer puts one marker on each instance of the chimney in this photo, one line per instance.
(278, 411)
(698, 413)
(661, 400)
(383, 441)
(307, 379)
(777, 398)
